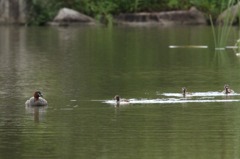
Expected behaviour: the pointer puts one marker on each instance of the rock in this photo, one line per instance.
(13, 12)
(230, 15)
(182, 17)
(68, 16)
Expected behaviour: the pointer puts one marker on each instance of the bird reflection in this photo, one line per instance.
(37, 112)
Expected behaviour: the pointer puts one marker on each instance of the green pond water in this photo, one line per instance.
(78, 69)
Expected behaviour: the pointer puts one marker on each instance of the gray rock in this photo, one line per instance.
(182, 17)
(13, 12)
(68, 16)
(230, 15)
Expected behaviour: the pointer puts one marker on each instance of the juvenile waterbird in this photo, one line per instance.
(227, 89)
(118, 99)
(184, 91)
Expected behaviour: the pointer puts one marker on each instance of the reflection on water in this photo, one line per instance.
(79, 67)
(37, 112)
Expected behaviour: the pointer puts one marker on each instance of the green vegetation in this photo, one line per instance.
(221, 32)
(42, 11)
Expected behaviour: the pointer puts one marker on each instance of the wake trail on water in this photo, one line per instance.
(171, 98)
(199, 94)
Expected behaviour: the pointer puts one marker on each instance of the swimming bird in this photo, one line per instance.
(184, 91)
(119, 100)
(227, 90)
(36, 100)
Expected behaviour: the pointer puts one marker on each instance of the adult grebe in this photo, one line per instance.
(36, 100)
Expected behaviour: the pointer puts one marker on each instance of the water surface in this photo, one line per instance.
(77, 69)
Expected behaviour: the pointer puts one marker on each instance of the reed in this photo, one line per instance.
(237, 44)
(213, 31)
(221, 32)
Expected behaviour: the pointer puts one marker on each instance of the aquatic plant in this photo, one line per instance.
(237, 44)
(222, 31)
(237, 47)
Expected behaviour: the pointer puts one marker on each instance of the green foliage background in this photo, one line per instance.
(42, 11)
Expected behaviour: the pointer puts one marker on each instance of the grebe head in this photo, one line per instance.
(226, 86)
(117, 98)
(37, 94)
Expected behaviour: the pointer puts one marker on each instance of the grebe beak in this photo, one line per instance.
(40, 94)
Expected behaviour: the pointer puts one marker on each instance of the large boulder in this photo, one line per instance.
(68, 16)
(182, 17)
(229, 16)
